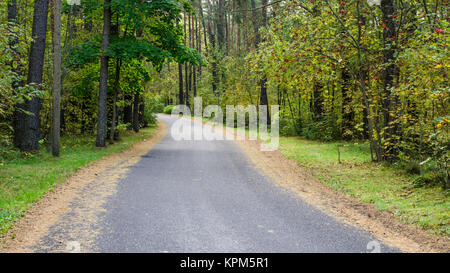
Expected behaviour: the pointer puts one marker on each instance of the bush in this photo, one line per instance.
(149, 116)
(317, 130)
(155, 106)
(412, 167)
(288, 127)
(325, 129)
(122, 127)
(431, 179)
(168, 109)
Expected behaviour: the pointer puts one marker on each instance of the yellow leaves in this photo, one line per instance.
(443, 123)
(438, 66)
(435, 95)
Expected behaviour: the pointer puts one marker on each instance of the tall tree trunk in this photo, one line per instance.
(180, 84)
(12, 12)
(128, 111)
(362, 77)
(191, 45)
(116, 92)
(103, 85)
(136, 112)
(56, 103)
(389, 102)
(238, 38)
(186, 81)
(142, 121)
(221, 25)
(212, 50)
(198, 47)
(186, 73)
(365, 123)
(317, 105)
(198, 39)
(63, 121)
(14, 39)
(200, 7)
(26, 133)
(191, 68)
(263, 82)
(15, 64)
(255, 24)
(347, 110)
(245, 21)
(212, 42)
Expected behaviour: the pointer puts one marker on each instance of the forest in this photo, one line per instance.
(373, 72)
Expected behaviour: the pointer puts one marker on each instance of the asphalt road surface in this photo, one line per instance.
(205, 196)
(202, 196)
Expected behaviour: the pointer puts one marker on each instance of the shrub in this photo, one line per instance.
(430, 179)
(149, 116)
(155, 106)
(412, 167)
(325, 129)
(168, 109)
(288, 127)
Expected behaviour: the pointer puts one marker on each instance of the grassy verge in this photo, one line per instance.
(24, 180)
(388, 187)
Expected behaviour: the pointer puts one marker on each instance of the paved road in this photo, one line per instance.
(205, 196)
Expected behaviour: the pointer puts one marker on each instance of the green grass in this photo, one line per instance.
(24, 180)
(388, 187)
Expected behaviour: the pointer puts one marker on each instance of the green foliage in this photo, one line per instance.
(12, 61)
(122, 128)
(149, 117)
(325, 129)
(159, 38)
(154, 105)
(412, 167)
(135, 74)
(86, 52)
(168, 109)
(325, 66)
(437, 178)
(129, 48)
(288, 127)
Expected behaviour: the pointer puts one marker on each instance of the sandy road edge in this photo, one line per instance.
(47, 211)
(382, 224)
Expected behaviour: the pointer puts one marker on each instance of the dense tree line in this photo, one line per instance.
(364, 70)
(81, 67)
(357, 70)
